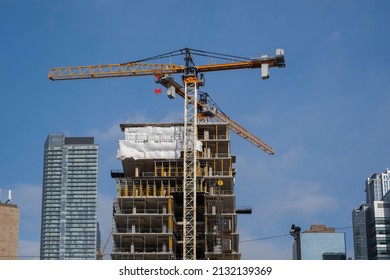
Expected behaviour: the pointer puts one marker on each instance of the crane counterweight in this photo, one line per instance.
(194, 109)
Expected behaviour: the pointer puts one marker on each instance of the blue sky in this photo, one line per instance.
(326, 114)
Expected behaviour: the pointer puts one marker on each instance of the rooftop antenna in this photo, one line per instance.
(9, 197)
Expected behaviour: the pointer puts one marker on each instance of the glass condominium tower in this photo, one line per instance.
(371, 221)
(69, 229)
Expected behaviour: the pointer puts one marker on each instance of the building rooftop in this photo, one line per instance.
(123, 126)
(78, 140)
(8, 205)
(320, 228)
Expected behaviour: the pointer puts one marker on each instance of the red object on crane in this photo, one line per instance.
(164, 71)
(192, 78)
(157, 90)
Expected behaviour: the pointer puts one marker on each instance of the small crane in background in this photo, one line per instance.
(100, 253)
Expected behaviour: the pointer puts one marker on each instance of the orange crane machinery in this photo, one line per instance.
(205, 111)
(101, 252)
(192, 76)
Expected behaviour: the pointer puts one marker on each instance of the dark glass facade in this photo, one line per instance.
(360, 232)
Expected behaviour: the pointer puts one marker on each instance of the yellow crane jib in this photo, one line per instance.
(194, 109)
(139, 68)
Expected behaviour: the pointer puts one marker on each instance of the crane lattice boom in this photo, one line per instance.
(191, 82)
(220, 116)
(132, 69)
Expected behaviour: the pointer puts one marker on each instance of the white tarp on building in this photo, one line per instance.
(152, 142)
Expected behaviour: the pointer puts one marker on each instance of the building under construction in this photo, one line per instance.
(148, 211)
(176, 190)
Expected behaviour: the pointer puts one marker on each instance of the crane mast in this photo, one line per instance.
(190, 80)
(189, 168)
(191, 105)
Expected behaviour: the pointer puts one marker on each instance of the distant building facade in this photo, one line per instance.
(377, 186)
(359, 224)
(371, 221)
(321, 243)
(69, 228)
(9, 230)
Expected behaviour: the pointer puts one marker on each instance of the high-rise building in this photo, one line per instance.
(148, 211)
(378, 234)
(9, 230)
(377, 186)
(371, 221)
(320, 243)
(69, 228)
(359, 224)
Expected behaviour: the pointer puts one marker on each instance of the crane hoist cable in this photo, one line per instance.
(191, 83)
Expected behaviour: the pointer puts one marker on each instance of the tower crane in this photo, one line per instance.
(192, 77)
(100, 253)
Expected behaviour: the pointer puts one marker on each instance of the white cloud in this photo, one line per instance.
(293, 158)
(28, 250)
(267, 250)
(255, 244)
(257, 119)
(110, 134)
(336, 35)
(301, 199)
(274, 212)
(263, 169)
(280, 194)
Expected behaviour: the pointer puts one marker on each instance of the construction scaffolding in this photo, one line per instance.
(148, 210)
(205, 163)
